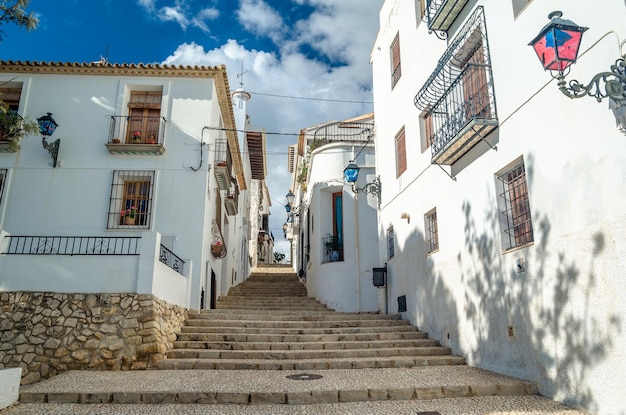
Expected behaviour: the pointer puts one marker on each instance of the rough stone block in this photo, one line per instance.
(300, 398)
(268, 398)
(357, 395)
(434, 392)
(484, 390)
(377, 394)
(456, 391)
(233, 398)
(63, 397)
(401, 394)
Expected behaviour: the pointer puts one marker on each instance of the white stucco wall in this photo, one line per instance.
(342, 285)
(73, 199)
(566, 310)
(9, 386)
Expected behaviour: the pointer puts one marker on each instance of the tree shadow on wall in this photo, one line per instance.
(541, 321)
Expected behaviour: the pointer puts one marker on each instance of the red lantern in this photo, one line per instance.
(558, 42)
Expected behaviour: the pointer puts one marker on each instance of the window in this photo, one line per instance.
(391, 241)
(426, 122)
(432, 234)
(514, 207)
(131, 199)
(400, 153)
(11, 97)
(144, 110)
(519, 6)
(475, 87)
(3, 176)
(396, 69)
(333, 244)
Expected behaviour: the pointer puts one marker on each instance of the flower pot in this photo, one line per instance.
(129, 221)
(115, 141)
(150, 141)
(216, 250)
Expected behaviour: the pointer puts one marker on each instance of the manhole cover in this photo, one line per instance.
(304, 376)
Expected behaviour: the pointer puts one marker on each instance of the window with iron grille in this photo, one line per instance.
(396, 68)
(131, 200)
(3, 175)
(391, 241)
(144, 110)
(432, 233)
(400, 153)
(514, 207)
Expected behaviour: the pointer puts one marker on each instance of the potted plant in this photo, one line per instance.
(136, 136)
(129, 215)
(217, 247)
(13, 127)
(115, 141)
(150, 139)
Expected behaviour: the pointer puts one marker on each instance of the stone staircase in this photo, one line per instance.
(268, 323)
(268, 344)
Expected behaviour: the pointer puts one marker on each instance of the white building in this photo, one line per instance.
(332, 228)
(184, 198)
(503, 216)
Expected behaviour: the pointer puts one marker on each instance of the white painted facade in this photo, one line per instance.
(560, 319)
(340, 274)
(75, 199)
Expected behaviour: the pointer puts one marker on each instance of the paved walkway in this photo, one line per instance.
(144, 388)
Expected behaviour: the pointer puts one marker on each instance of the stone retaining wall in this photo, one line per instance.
(48, 333)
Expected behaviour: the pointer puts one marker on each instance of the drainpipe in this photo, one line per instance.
(356, 253)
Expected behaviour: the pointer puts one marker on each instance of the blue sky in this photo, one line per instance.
(304, 48)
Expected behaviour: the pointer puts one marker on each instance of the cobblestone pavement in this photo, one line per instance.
(518, 405)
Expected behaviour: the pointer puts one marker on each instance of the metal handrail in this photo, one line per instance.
(171, 259)
(72, 245)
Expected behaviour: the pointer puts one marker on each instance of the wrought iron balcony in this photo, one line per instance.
(333, 248)
(136, 135)
(441, 14)
(232, 200)
(343, 131)
(223, 164)
(458, 98)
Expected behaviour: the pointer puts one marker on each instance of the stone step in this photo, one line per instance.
(301, 345)
(435, 384)
(275, 324)
(274, 308)
(275, 354)
(299, 338)
(311, 364)
(290, 316)
(297, 331)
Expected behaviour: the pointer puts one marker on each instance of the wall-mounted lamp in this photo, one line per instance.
(557, 48)
(47, 125)
(294, 210)
(351, 175)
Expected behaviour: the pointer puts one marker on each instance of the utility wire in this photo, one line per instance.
(313, 99)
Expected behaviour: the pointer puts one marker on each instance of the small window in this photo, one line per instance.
(3, 176)
(432, 233)
(144, 110)
(514, 207)
(396, 68)
(391, 241)
(400, 153)
(131, 199)
(426, 123)
(11, 98)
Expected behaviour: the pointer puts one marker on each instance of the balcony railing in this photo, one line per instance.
(458, 98)
(338, 132)
(441, 14)
(332, 248)
(232, 200)
(72, 245)
(136, 135)
(171, 259)
(223, 164)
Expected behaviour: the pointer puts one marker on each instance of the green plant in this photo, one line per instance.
(130, 213)
(304, 171)
(13, 127)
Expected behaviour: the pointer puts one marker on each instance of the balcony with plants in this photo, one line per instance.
(222, 164)
(13, 127)
(136, 135)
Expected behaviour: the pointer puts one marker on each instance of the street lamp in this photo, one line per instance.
(351, 175)
(47, 125)
(557, 48)
(293, 210)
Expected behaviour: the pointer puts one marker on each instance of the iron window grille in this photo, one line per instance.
(516, 218)
(391, 241)
(3, 175)
(432, 233)
(131, 200)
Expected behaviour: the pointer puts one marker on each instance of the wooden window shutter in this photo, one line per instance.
(396, 68)
(400, 153)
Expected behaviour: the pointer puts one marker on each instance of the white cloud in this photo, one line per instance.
(168, 14)
(258, 18)
(181, 14)
(340, 30)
